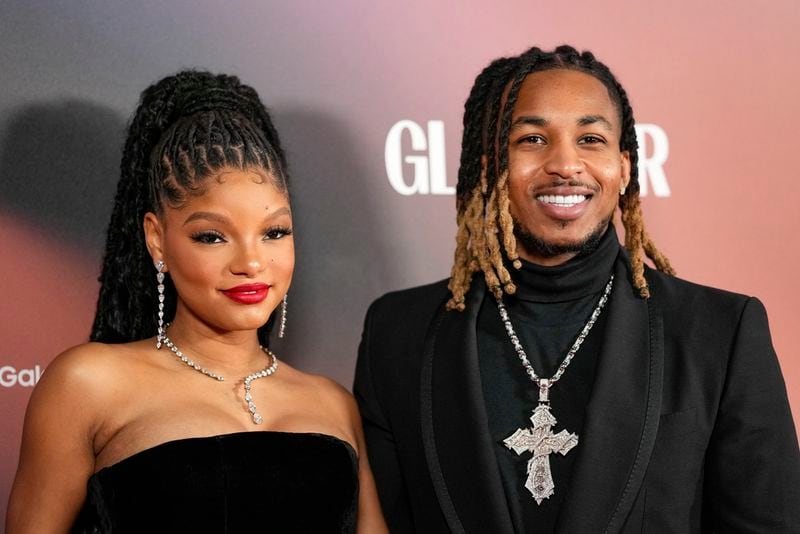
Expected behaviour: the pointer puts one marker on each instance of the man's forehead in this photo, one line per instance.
(563, 94)
(563, 90)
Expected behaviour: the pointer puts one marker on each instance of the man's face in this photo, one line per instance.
(565, 166)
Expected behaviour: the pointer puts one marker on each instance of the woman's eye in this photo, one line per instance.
(208, 238)
(532, 140)
(277, 233)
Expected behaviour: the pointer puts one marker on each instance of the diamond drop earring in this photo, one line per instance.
(160, 266)
(282, 328)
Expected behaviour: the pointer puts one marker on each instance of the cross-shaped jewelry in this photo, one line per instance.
(541, 441)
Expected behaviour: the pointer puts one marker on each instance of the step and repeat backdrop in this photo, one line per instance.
(368, 98)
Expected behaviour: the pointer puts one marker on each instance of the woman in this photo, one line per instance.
(177, 418)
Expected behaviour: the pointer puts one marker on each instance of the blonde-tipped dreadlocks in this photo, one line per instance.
(485, 227)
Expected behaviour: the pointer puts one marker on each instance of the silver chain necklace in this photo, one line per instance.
(540, 440)
(267, 371)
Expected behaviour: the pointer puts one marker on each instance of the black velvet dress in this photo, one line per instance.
(244, 482)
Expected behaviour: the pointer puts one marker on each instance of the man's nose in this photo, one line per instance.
(563, 160)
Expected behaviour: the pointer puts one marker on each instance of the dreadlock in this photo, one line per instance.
(186, 128)
(485, 225)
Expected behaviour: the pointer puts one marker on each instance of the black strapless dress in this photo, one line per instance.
(246, 482)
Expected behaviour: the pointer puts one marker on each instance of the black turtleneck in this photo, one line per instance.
(551, 306)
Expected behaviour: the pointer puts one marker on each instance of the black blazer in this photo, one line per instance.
(688, 428)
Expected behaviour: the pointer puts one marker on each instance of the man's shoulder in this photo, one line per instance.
(408, 310)
(421, 297)
(674, 285)
(686, 298)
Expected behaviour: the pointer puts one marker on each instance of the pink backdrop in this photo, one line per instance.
(721, 83)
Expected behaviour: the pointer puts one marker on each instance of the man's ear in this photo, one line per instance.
(626, 170)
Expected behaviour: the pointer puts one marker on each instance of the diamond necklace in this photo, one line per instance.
(540, 440)
(267, 371)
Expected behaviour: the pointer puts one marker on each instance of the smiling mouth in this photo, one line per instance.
(562, 201)
(247, 293)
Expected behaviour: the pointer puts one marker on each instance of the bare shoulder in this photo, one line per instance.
(90, 365)
(82, 358)
(329, 395)
(336, 394)
(85, 377)
(328, 387)
(74, 388)
(66, 410)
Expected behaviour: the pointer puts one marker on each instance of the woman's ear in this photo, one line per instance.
(154, 236)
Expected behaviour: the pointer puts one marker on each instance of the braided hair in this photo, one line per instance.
(186, 128)
(485, 225)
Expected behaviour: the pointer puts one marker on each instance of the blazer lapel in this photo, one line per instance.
(621, 417)
(455, 431)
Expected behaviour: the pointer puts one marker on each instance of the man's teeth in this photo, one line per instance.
(562, 200)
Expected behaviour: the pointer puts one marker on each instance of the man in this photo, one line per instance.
(555, 383)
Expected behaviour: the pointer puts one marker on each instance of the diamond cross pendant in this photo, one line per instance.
(541, 441)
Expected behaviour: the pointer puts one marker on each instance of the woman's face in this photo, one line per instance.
(229, 251)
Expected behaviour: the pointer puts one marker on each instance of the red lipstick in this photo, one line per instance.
(247, 293)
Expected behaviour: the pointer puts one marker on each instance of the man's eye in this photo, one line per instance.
(591, 139)
(208, 238)
(277, 232)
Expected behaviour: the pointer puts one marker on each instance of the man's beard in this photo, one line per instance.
(545, 249)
